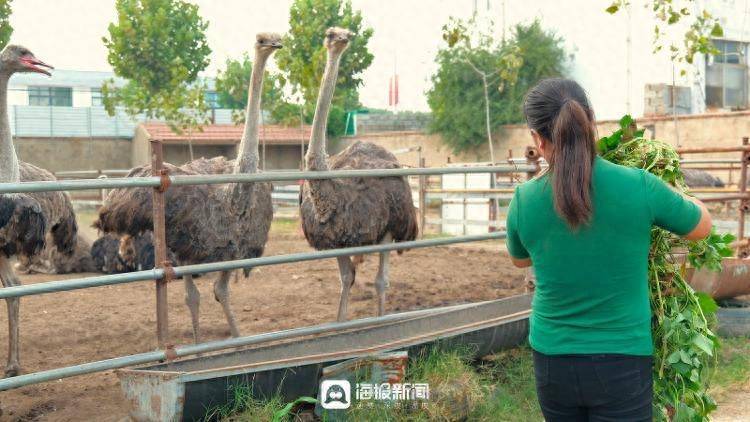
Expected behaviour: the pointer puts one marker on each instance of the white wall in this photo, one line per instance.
(81, 96)
(18, 95)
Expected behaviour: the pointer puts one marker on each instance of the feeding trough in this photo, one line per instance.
(290, 365)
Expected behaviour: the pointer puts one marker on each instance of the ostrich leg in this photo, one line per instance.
(347, 274)
(381, 280)
(9, 279)
(193, 301)
(221, 292)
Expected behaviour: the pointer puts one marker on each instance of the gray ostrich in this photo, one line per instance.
(352, 212)
(26, 220)
(209, 222)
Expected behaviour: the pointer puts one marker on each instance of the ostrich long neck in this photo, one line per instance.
(247, 154)
(9, 170)
(316, 158)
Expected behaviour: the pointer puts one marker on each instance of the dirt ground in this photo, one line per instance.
(93, 324)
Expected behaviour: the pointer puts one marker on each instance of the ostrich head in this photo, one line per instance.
(15, 58)
(337, 39)
(267, 42)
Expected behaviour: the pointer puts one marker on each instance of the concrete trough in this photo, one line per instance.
(189, 389)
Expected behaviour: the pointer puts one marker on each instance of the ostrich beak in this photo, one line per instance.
(33, 64)
(277, 45)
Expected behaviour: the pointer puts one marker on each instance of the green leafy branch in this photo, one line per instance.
(684, 344)
(669, 13)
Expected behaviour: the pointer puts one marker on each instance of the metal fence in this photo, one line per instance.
(161, 181)
(82, 122)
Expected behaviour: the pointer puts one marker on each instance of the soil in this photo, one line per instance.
(93, 324)
(735, 407)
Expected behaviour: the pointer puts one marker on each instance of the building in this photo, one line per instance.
(281, 148)
(59, 123)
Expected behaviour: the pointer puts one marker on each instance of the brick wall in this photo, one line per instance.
(62, 154)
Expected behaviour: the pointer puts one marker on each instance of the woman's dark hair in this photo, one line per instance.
(558, 110)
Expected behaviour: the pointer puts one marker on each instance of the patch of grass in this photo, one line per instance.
(284, 225)
(500, 388)
(246, 408)
(732, 366)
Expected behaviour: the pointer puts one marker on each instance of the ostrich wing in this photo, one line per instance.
(57, 209)
(22, 225)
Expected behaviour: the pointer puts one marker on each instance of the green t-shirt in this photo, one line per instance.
(591, 284)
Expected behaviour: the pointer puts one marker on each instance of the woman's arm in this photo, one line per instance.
(703, 228)
(521, 263)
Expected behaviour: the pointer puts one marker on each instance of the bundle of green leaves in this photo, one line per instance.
(684, 344)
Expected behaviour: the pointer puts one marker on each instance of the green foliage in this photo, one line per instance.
(159, 46)
(303, 58)
(456, 97)
(669, 13)
(684, 344)
(232, 86)
(5, 29)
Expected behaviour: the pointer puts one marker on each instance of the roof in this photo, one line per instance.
(228, 134)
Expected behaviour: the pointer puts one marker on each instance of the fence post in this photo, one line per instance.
(422, 200)
(160, 243)
(532, 157)
(744, 204)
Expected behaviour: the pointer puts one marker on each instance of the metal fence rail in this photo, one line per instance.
(217, 179)
(157, 273)
(159, 181)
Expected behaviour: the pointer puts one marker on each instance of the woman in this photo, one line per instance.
(585, 225)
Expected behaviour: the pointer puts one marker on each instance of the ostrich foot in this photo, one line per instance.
(221, 294)
(12, 370)
(381, 280)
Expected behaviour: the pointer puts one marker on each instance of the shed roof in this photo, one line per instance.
(228, 134)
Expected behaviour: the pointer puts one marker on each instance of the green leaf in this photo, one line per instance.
(703, 343)
(717, 30)
(707, 303)
(612, 9)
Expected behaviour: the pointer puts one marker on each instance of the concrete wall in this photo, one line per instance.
(725, 129)
(61, 154)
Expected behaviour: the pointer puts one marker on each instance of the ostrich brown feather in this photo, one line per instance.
(36, 218)
(341, 213)
(204, 223)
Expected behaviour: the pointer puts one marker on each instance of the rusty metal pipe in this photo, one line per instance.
(160, 242)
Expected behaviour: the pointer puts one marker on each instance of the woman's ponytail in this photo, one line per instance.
(573, 157)
(558, 110)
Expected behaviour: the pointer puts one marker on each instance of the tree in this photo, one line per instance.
(457, 97)
(303, 58)
(702, 26)
(159, 47)
(5, 29)
(233, 82)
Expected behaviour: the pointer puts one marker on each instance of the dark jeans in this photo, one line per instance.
(594, 387)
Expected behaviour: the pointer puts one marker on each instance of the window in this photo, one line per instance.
(726, 76)
(212, 99)
(96, 97)
(50, 96)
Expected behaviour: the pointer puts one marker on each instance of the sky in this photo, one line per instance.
(407, 34)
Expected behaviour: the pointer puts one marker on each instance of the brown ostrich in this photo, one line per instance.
(26, 220)
(344, 213)
(210, 222)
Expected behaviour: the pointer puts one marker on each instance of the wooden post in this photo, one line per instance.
(743, 208)
(160, 243)
(422, 200)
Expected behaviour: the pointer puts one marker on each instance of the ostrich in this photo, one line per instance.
(52, 261)
(211, 222)
(352, 212)
(26, 220)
